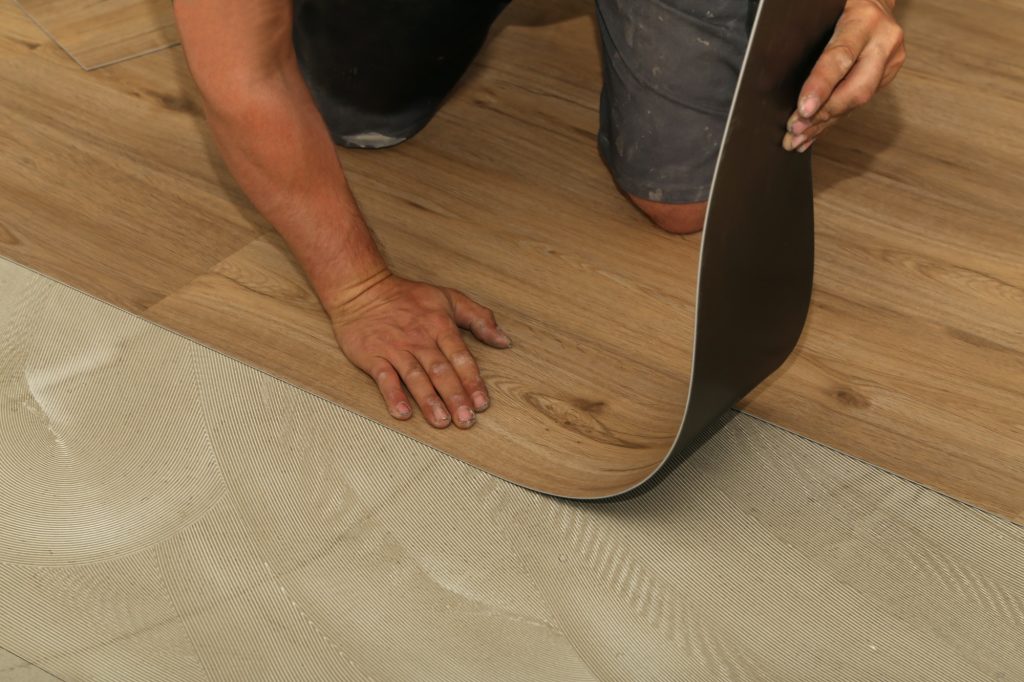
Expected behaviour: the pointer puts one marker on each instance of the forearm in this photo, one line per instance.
(278, 149)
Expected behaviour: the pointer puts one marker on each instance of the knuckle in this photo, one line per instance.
(898, 35)
(871, 14)
(843, 55)
(454, 395)
(439, 368)
(438, 321)
(462, 358)
(860, 97)
(450, 338)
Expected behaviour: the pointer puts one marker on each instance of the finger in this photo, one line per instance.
(390, 386)
(447, 384)
(795, 142)
(895, 63)
(465, 366)
(856, 90)
(860, 85)
(421, 388)
(836, 61)
(478, 319)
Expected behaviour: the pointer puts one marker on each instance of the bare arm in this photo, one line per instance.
(277, 146)
(274, 141)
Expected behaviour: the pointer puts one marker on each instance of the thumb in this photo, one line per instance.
(478, 319)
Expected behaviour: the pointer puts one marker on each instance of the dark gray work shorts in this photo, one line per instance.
(380, 69)
(670, 70)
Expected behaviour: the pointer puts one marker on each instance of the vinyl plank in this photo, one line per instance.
(914, 350)
(912, 354)
(96, 33)
(105, 180)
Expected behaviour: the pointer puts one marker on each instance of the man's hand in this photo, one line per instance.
(399, 330)
(279, 149)
(862, 57)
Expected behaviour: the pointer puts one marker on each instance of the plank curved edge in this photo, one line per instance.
(756, 266)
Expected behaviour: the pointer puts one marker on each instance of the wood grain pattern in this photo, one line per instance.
(913, 356)
(96, 33)
(913, 351)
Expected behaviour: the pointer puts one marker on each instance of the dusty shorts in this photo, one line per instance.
(670, 71)
(380, 69)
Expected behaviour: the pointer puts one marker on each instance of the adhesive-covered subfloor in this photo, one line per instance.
(14, 669)
(168, 513)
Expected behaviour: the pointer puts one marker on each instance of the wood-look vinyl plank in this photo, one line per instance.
(914, 350)
(96, 33)
(105, 179)
(912, 354)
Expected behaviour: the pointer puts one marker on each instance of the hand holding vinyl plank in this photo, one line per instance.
(863, 56)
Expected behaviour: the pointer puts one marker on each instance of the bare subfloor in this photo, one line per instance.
(172, 514)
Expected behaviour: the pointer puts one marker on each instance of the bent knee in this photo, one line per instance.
(674, 218)
(368, 140)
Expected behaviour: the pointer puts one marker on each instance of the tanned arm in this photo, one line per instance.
(278, 148)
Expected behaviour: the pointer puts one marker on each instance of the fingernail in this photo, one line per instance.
(403, 409)
(466, 415)
(503, 337)
(797, 141)
(480, 400)
(808, 106)
(805, 146)
(441, 415)
(798, 127)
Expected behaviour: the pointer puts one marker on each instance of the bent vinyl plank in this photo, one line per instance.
(912, 336)
(170, 513)
(757, 296)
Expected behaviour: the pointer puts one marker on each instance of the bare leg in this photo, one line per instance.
(674, 218)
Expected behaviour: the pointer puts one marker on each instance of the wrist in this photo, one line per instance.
(342, 262)
(338, 299)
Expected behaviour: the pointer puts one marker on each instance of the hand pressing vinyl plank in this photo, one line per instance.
(582, 409)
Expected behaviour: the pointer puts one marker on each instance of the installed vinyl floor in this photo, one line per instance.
(913, 357)
(169, 513)
(96, 33)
